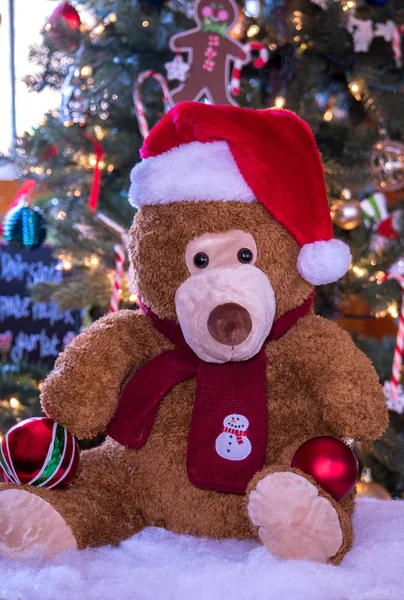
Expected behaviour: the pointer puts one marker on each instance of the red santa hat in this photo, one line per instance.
(201, 153)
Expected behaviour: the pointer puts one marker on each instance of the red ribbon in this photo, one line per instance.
(95, 188)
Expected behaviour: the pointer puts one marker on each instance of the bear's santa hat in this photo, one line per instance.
(202, 153)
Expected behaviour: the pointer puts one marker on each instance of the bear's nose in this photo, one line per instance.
(229, 324)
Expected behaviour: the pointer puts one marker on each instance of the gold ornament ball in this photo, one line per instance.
(346, 214)
(371, 490)
(387, 165)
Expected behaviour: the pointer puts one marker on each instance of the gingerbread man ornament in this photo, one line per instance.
(211, 50)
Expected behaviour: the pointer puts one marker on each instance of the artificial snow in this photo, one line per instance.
(157, 564)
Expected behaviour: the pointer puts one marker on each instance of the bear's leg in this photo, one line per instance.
(98, 508)
(294, 518)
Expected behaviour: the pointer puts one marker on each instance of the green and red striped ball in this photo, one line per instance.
(39, 452)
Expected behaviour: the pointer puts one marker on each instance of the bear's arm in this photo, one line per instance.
(82, 391)
(342, 378)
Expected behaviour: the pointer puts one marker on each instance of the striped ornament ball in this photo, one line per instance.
(39, 452)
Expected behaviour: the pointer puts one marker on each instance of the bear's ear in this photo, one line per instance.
(320, 263)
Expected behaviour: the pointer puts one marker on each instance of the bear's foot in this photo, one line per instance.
(30, 526)
(293, 520)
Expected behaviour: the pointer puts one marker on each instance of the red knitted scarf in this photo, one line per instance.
(229, 398)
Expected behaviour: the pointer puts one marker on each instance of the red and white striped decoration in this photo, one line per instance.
(138, 102)
(238, 64)
(119, 263)
(40, 453)
(393, 389)
(396, 45)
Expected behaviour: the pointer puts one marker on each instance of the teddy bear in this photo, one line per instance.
(210, 49)
(206, 392)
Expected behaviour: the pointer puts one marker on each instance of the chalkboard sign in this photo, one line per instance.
(31, 331)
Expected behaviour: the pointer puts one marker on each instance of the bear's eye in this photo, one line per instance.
(201, 260)
(245, 255)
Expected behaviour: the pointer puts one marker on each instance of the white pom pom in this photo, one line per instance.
(323, 262)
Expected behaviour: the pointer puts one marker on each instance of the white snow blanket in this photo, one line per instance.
(159, 565)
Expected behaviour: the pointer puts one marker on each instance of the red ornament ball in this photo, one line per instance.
(39, 452)
(330, 462)
(66, 14)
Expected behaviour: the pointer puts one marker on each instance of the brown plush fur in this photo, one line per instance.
(318, 384)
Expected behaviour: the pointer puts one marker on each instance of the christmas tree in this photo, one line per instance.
(338, 64)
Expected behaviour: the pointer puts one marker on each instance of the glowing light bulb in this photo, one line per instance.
(145, 24)
(279, 102)
(86, 71)
(252, 31)
(61, 215)
(112, 18)
(133, 298)
(359, 272)
(14, 403)
(67, 264)
(48, 27)
(94, 261)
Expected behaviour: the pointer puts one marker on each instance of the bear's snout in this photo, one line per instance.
(229, 324)
(227, 305)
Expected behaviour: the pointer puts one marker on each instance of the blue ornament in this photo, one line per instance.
(25, 226)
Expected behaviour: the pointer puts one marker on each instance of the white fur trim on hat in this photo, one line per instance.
(190, 172)
(324, 262)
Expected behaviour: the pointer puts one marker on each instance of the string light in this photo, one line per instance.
(328, 115)
(112, 18)
(61, 215)
(92, 261)
(145, 23)
(67, 264)
(133, 298)
(349, 5)
(279, 102)
(99, 29)
(252, 31)
(99, 132)
(110, 168)
(393, 311)
(14, 403)
(92, 160)
(359, 271)
(67, 123)
(86, 71)
(355, 89)
(48, 27)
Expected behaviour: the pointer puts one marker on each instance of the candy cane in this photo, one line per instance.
(119, 262)
(398, 350)
(238, 65)
(138, 102)
(396, 45)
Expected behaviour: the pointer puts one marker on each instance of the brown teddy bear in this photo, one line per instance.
(209, 389)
